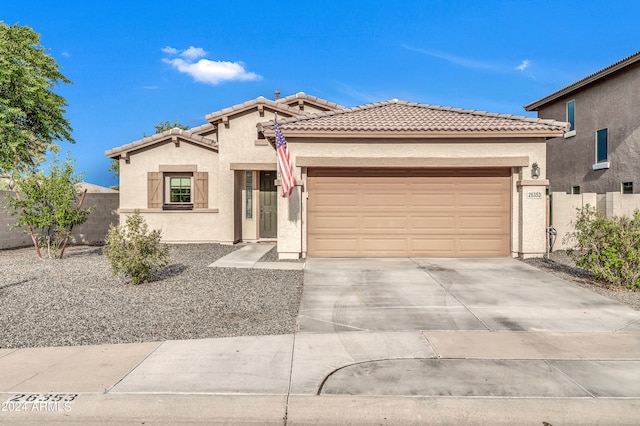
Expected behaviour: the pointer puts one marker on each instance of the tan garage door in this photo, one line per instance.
(409, 212)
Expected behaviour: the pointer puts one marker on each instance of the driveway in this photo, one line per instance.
(490, 294)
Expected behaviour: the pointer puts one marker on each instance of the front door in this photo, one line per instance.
(268, 205)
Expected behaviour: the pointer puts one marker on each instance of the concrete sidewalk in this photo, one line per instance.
(384, 341)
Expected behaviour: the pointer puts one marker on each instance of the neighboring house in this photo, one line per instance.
(601, 151)
(95, 189)
(386, 179)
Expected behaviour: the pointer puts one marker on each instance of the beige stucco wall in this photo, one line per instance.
(564, 210)
(199, 225)
(237, 144)
(528, 213)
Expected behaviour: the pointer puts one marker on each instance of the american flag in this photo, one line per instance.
(287, 172)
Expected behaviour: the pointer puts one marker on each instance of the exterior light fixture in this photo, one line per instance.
(535, 171)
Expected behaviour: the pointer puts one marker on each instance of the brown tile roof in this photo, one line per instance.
(301, 96)
(279, 105)
(186, 135)
(623, 63)
(407, 118)
(258, 102)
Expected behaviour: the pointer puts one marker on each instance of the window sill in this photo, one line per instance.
(177, 207)
(600, 166)
(570, 134)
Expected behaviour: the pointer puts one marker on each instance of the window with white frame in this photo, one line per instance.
(571, 117)
(602, 146)
(627, 187)
(575, 190)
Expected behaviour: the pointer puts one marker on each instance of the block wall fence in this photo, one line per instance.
(92, 232)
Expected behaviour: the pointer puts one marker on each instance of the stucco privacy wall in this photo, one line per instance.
(176, 226)
(564, 210)
(93, 231)
(528, 212)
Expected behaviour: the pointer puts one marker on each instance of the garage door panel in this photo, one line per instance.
(336, 245)
(470, 246)
(483, 224)
(330, 223)
(482, 201)
(443, 212)
(423, 224)
(383, 223)
(384, 199)
(431, 200)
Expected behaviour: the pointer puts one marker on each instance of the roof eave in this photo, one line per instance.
(315, 134)
(533, 106)
(125, 150)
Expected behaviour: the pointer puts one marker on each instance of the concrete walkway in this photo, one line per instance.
(381, 341)
(248, 257)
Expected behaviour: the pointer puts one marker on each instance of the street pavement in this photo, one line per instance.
(380, 342)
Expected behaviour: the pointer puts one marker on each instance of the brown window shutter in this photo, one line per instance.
(154, 190)
(201, 190)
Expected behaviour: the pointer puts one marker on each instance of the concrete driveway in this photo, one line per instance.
(496, 294)
(381, 341)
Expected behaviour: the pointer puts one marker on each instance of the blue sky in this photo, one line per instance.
(136, 63)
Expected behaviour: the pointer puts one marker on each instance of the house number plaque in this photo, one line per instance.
(536, 195)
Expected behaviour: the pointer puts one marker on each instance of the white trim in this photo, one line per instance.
(570, 134)
(600, 166)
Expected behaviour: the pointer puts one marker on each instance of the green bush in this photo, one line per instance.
(49, 205)
(134, 251)
(609, 248)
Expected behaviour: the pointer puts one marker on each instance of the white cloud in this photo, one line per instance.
(205, 70)
(193, 53)
(66, 54)
(457, 60)
(524, 65)
(170, 50)
(150, 87)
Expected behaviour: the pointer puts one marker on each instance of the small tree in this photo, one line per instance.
(134, 251)
(167, 125)
(49, 205)
(609, 248)
(31, 113)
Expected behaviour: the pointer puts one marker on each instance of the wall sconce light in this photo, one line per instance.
(535, 171)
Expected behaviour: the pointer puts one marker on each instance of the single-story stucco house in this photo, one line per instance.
(391, 178)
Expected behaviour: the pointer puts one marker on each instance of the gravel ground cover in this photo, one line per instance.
(561, 265)
(77, 300)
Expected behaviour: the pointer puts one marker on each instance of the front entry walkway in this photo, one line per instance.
(248, 257)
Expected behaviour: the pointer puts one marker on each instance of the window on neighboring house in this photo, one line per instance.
(177, 191)
(248, 212)
(602, 145)
(575, 189)
(627, 187)
(571, 117)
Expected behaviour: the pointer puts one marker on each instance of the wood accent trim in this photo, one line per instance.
(154, 190)
(201, 190)
(253, 166)
(178, 168)
(412, 162)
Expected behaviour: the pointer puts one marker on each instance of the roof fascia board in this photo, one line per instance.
(533, 106)
(314, 134)
(125, 150)
(412, 162)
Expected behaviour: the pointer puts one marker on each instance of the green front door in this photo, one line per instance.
(268, 205)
